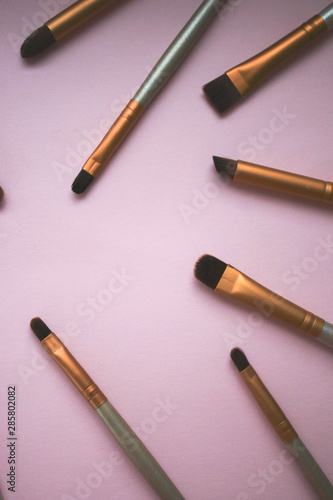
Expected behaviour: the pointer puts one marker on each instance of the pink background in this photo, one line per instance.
(159, 205)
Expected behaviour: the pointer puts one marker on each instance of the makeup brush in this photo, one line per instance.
(227, 89)
(120, 430)
(1, 194)
(282, 426)
(278, 180)
(61, 25)
(227, 280)
(161, 72)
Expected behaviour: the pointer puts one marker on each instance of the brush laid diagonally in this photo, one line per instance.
(226, 90)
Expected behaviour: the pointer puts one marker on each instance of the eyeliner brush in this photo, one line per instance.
(61, 25)
(227, 280)
(161, 72)
(120, 430)
(282, 426)
(277, 180)
(226, 90)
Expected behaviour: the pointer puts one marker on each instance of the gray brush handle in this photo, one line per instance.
(138, 453)
(311, 469)
(326, 335)
(176, 51)
(327, 15)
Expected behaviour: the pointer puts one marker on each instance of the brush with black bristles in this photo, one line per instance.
(227, 280)
(282, 426)
(278, 180)
(226, 90)
(61, 25)
(134, 448)
(1, 194)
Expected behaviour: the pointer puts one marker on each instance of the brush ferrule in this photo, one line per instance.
(251, 72)
(241, 287)
(74, 371)
(268, 405)
(311, 469)
(114, 137)
(326, 335)
(327, 15)
(75, 15)
(286, 182)
(177, 50)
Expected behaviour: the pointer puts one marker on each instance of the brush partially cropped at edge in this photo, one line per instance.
(224, 91)
(227, 280)
(127, 439)
(1, 194)
(159, 75)
(278, 180)
(61, 25)
(282, 426)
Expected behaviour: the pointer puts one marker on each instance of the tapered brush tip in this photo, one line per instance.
(209, 270)
(239, 358)
(225, 166)
(38, 41)
(39, 328)
(82, 181)
(222, 93)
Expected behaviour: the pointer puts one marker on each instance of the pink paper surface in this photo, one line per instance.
(112, 272)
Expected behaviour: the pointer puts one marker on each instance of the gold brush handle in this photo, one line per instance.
(249, 73)
(286, 182)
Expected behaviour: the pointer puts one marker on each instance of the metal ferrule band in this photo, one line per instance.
(268, 405)
(286, 182)
(114, 137)
(74, 371)
(249, 73)
(241, 287)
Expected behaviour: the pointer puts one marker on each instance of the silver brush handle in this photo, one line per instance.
(176, 52)
(311, 469)
(138, 453)
(326, 335)
(327, 15)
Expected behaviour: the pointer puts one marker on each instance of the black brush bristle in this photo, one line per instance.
(222, 93)
(209, 270)
(225, 166)
(1, 194)
(39, 328)
(82, 181)
(38, 41)
(239, 358)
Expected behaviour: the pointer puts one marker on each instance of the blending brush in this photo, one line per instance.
(282, 426)
(227, 89)
(227, 280)
(61, 25)
(161, 72)
(278, 180)
(120, 430)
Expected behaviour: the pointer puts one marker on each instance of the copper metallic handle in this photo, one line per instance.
(75, 15)
(238, 285)
(286, 182)
(249, 73)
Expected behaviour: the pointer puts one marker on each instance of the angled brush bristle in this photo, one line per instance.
(209, 270)
(39, 328)
(222, 93)
(38, 41)
(225, 166)
(82, 181)
(239, 359)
